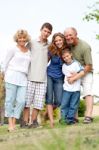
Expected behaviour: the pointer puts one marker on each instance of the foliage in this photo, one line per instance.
(2, 97)
(56, 113)
(81, 109)
(93, 14)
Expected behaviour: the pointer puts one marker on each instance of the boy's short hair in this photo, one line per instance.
(66, 50)
(47, 25)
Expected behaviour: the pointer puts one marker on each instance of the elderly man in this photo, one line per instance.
(82, 52)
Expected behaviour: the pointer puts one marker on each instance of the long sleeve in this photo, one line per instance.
(8, 57)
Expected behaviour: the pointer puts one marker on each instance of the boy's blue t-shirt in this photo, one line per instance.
(54, 68)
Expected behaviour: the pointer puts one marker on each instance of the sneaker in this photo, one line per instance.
(23, 124)
(35, 124)
(88, 120)
(71, 123)
(76, 120)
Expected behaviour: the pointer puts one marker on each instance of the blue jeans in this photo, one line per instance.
(69, 105)
(15, 100)
(54, 91)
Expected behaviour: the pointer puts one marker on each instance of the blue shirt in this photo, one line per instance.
(54, 68)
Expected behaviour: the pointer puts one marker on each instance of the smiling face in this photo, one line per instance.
(21, 37)
(71, 36)
(45, 33)
(67, 57)
(58, 41)
(21, 40)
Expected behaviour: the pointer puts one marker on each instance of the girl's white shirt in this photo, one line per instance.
(16, 66)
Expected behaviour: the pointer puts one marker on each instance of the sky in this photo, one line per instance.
(31, 14)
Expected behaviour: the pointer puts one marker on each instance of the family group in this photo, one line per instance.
(42, 73)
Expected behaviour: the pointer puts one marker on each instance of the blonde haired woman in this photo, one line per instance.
(15, 70)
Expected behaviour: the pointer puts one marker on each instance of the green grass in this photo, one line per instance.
(61, 137)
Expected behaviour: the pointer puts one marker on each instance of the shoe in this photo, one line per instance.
(23, 124)
(88, 120)
(35, 124)
(76, 120)
(70, 122)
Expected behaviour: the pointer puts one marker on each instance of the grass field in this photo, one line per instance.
(62, 137)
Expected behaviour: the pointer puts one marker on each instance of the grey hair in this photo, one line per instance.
(72, 28)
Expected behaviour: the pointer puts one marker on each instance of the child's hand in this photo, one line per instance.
(71, 80)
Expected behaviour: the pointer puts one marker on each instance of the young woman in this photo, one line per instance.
(54, 74)
(15, 71)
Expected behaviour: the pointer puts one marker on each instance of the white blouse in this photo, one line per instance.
(16, 66)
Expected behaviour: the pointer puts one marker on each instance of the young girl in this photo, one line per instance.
(71, 87)
(15, 70)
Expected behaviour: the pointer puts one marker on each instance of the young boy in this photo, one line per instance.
(71, 87)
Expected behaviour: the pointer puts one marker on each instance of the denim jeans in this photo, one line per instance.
(69, 105)
(54, 91)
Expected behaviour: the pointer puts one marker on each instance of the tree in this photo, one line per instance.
(93, 14)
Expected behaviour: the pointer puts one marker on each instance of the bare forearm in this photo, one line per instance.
(75, 77)
(82, 73)
(79, 75)
(87, 68)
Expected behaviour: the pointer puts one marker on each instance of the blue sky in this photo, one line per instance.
(31, 14)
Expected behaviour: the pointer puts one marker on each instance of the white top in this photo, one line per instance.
(67, 70)
(39, 60)
(16, 66)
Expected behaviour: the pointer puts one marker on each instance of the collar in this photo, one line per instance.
(44, 43)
